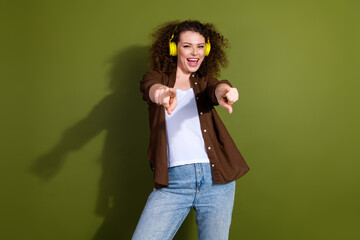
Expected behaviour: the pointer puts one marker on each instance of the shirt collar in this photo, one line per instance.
(172, 78)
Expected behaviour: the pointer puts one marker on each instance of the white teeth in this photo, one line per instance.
(193, 60)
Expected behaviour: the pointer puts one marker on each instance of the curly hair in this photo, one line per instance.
(161, 60)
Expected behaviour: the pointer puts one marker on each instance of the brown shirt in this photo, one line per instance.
(226, 162)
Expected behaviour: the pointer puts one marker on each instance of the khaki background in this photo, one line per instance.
(74, 130)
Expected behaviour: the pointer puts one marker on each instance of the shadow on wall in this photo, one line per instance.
(126, 178)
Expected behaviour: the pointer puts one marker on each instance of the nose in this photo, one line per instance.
(194, 50)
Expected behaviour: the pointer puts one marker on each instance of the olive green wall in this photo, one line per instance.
(74, 129)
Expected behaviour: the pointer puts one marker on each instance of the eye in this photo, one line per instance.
(186, 46)
(201, 46)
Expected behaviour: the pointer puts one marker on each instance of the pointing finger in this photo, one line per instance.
(223, 104)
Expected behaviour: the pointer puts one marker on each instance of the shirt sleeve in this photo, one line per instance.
(148, 80)
(212, 83)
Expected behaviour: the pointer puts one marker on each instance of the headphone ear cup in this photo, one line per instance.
(172, 49)
(207, 48)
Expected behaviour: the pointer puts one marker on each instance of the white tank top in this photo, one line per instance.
(185, 143)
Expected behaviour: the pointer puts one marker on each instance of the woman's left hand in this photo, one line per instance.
(226, 96)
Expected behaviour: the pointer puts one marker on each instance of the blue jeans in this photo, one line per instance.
(190, 186)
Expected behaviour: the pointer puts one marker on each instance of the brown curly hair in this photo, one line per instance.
(161, 60)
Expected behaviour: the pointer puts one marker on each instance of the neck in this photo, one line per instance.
(182, 80)
(180, 75)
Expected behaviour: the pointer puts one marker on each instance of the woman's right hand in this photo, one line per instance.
(165, 96)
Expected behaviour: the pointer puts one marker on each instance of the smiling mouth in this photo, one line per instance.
(193, 59)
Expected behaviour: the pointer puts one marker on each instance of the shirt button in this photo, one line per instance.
(209, 148)
(204, 130)
(197, 98)
(192, 75)
(195, 83)
(201, 113)
(213, 165)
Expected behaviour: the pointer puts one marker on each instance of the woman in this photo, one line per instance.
(194, 160)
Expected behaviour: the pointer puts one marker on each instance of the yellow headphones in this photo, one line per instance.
(173, 47)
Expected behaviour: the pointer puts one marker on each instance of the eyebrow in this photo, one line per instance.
(191, 43)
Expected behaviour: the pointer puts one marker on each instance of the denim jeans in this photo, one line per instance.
(190, 186)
